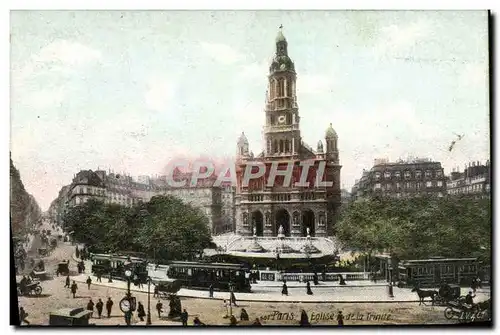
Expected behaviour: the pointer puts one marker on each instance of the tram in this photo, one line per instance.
(114, 266)
(219, 275)
(434, 271)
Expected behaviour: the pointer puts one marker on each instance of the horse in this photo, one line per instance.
(422, 294)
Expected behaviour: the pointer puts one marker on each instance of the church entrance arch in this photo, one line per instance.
(258, 223)
(283, 219)
(308, 222)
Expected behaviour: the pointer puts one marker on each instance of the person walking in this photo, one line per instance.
(184, 317)
(340, 318)
(67, 282)
(99, 307)
(308, 288)
(90, 307)
(211, 291)
(284, 290)
(99, 275)
(244, 315)
(140, 311)
(74, 287)
(226, 308)
(89, 281)
(109, 306)
(159, 308)
(233, 299)
(22, 316)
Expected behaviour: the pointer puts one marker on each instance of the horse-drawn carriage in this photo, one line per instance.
(29, 288)
(446, 294)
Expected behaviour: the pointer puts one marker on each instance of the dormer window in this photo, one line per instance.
(407, 175)
(418, 174)
(377, 175)
(428, 174)
(387, 174)
(397, 174)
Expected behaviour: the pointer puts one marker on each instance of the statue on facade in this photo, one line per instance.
(267, 218)
(254, 231)
(245, 218)
(281, 231)
(308, 230)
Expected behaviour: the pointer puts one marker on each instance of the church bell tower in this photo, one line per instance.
(281, 131)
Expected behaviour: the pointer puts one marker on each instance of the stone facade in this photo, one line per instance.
(265, 208)
(474, 180)
(401, 179)
(112, 188)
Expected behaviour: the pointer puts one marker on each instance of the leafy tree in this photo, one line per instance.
(419, 227)
(165, 228)
(173, 230)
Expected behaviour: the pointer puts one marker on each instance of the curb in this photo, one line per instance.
(269, 300)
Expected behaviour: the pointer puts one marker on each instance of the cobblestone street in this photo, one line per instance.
(55, 296)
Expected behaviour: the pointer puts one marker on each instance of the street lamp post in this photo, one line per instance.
(128, 274)
(148, 320)
(231, 290)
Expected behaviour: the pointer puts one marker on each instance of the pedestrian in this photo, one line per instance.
(155, 292)
(232, 321)
(99, 275)
(184, 318)
(22, 316)
(128, 317)
(67, 282)
(340, 318)
(140, 311)
(99, 307)
(90, 307)
(244, 315)
(89, 281)
(109, 305)
(304, 319)
(233, 299)
(315, 278)
(159, 308)
(197, 322)
(226, 308)
(284, 290)
(109, 278)
(257, 322)
(74, 287)
(308, 288)
(211, 291)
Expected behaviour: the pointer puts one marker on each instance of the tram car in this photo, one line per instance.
(114, 266)
(434, 272)
(219, 275)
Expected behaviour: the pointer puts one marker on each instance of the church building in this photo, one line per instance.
(261, 209)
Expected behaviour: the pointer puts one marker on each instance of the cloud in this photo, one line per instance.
(67, 52)
(314, 84)
(46, 98)
(397, 39)
(255, 70)
(222, 53)
(159, 94)
(474, 75)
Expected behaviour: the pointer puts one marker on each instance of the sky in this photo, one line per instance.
(132, 90)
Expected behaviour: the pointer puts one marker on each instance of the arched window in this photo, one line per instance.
(281, 87)
(287, 149)
(275, 149)
(281, 146)
(289, 89)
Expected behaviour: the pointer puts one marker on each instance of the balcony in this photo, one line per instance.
(281, 128)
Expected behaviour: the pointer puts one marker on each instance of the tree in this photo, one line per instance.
(419, 227)
(163, 228)
(172, 229)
